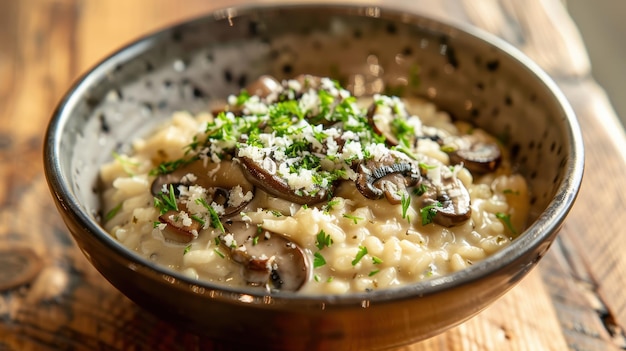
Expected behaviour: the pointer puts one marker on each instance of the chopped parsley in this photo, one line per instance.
(215, 218)
(420, 190)
(126, 163)
(510, 191)
(113, 212)
(376, 260)
(429, 212)
(355, 219)
(506, 219)
(318, 260)
(166, 202)
(426, 166)
(329, 205)
(323, 240)
(219, 253)
(447, 148)
(187, 249)
(198, 219)
(406, 202)
(242, 97)
(374, 272)
(170, 166)
(359, 255)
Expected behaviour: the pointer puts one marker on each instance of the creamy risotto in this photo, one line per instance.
(299, 186)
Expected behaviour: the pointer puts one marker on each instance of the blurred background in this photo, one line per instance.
(603, 28)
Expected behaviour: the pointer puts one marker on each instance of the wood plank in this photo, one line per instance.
(595, 223)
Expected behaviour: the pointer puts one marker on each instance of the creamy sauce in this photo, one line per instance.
(351, 241)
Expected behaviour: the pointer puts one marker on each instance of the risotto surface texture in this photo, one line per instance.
(299, 186)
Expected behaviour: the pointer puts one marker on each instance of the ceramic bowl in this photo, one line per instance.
(472, 75)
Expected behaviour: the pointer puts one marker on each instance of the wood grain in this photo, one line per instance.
(573, 300)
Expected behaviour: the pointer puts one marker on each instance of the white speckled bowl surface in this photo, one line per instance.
(473, 76)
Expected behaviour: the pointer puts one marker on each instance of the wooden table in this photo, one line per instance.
(51, 298)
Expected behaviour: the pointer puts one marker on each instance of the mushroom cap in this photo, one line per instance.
(263, 86)
(389, 177)
(478, 156)
(218, 178)
(381, 124)
(271, 261)
(277, 186)
(175, 230)
(454, 199)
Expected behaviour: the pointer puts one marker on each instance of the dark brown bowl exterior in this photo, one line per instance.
(473, 76)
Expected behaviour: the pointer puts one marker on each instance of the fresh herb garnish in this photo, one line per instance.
(170, 166)
(506, 219)
(318, 260)
(113, 212)
(323, 240)
(242, 97)
(420, 189)
(215, 218)
(355, 219)
(510, 191)
(447, 148)
(406, 202)
(329, 205)
(187, 249)
(376, 260)
(359, 255)
(166, 202)
(425, 166)
(428, 212)
(219, 253)
(125, 162)
(372, 273)
(198, 219)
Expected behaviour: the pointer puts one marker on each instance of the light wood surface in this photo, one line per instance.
(52, 299)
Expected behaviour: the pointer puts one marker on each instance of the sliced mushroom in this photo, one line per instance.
(477, 156)
(219, 179)
(452, 198)
(176, 230)
(264, 86)
(266, 179)
(388, 177)
(308, 81)
(381, 123)
(271, 260)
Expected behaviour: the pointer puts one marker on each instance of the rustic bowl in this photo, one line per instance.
(474, 76)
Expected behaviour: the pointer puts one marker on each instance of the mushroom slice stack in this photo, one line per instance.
(225, 185)
(389, 177)
(268, 259)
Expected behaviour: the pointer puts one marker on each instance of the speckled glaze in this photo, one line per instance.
(369, 49)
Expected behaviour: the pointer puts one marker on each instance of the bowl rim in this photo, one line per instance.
(548, 222)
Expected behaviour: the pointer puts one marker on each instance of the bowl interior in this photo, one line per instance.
(368, 49)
